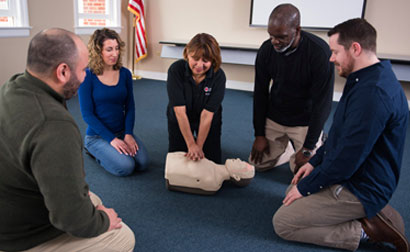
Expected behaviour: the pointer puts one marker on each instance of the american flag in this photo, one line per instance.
(136, 7)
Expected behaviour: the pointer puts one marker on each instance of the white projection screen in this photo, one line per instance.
(315, 14)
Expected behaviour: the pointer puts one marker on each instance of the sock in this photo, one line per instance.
(364, 236)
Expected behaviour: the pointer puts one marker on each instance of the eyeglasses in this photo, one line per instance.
(282, 38)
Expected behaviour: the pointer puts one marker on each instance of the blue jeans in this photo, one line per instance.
(114, 162)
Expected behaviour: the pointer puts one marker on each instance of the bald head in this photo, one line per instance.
(51, 47)
(284, 27)
(285, 15)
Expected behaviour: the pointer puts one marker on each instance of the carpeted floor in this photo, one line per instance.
(235, 219)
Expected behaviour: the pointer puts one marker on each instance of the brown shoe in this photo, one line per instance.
(387, 226)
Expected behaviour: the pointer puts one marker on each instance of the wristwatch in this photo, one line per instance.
(307, 153)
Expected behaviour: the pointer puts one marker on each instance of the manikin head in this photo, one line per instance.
(241, 172)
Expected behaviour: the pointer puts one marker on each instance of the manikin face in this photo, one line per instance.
(77, 74)
(239, 169)
(198, 66)
(110, 52)
(282, 37)
(342, 58)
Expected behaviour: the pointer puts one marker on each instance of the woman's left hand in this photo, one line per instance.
(195, 152)
(131, 143)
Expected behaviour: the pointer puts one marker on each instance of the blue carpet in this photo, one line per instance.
(234, 219)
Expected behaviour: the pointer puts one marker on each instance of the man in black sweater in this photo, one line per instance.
(295, 66)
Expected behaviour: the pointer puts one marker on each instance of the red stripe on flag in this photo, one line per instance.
(137, 8)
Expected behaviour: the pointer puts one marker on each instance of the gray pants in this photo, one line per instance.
(327, 218)
(278, 137)
(117, 240)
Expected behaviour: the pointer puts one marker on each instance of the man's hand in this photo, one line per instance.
(120, 146)
(115, 221)
(195, 152)
(260, 146)
(131, 143)
(301, 159)
(303, 172)
(292, 195)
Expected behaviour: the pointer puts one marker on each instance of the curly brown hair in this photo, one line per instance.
(95, 46)
(206, 46)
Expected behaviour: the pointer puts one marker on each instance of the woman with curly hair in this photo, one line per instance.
(107, 106)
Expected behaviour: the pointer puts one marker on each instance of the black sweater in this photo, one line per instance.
(302, 87)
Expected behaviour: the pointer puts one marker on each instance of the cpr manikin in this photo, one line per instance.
(204, 176)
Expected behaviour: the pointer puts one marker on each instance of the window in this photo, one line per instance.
(14, 18)
(90, 15)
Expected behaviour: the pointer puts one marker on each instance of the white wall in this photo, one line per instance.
(228, 21)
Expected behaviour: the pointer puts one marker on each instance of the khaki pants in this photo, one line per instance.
(118, 240)
(327, 218)
(280, 150)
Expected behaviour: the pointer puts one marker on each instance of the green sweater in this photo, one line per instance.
(43, 192)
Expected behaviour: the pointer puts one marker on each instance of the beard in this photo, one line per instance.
(348, 69)
(285, 48)
(71, 87)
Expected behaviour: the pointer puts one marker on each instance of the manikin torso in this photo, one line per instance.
(204, 174)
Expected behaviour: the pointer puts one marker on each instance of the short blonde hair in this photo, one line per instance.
(95, 46)
(205, 46)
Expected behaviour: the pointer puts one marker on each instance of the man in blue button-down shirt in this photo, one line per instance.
(340, 196)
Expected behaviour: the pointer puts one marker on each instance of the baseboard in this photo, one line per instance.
(231, 84)
(152, 75)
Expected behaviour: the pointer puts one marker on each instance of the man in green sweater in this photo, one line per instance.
(45, 203)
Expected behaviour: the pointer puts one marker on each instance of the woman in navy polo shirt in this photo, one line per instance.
(196, 88)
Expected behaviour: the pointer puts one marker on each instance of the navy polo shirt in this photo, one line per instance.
(183, 91)
(365, 146)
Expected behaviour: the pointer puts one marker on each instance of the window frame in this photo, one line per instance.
(19, 10)
(114, 14)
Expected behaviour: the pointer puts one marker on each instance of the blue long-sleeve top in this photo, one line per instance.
(107, 109)
(365, 145)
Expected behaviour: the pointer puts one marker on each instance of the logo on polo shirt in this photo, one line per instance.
(207, 90)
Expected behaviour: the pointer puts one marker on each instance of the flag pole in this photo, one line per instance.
(139, 38)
